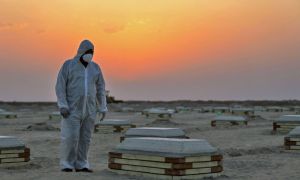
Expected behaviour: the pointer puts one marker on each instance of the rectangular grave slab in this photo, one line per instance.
(112, 122)
(221, 110)
(10, 142)
(274, 109)
(155, 132)
(157, 158)
(172, 172)
(243, 111)
(292, 140)
(164, 165)
(286, 123)
(8, 115)
(167, 146)
(295, 133)
(232, 120)
(289, 119)
(166, 158)
(183, 109)
(160, 113)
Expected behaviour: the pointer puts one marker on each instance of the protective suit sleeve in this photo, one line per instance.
(61, 87)
(101, 96)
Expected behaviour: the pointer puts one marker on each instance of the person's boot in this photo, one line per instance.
(84, 170)
(67, 170)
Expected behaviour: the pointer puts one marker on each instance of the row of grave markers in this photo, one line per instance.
(161, 153)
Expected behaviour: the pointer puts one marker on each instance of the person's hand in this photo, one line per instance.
(64, 112)
(103, 114)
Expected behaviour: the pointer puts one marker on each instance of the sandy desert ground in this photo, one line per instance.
(251, 152)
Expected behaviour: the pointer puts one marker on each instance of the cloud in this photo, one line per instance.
(12, 26)
(4, 26)
(113, 28)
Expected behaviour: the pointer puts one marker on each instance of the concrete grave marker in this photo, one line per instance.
(8, 115)
(113, 125)
(154, 132)
(230, 120)
(166, 158)
(286, 123)
(292, 140)
(13, 152)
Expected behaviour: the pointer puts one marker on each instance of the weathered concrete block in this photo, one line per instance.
(12, 152)
(10, 142)
(159, 113)
(243, 111)
(289, 119)
(232, 120)
(166, 158)
(221, 110)
(111, 122)
(183, 109)
(113, 126)
(292, 140)
(8, 115)
(286, 123)
(154, 132)
(274, 109)
(295, 133)
(167, 146)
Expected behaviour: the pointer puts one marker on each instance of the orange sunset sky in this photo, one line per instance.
(155, 49)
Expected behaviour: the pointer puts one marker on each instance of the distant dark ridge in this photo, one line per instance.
(227, 102)
(184, 102)
(26, 103)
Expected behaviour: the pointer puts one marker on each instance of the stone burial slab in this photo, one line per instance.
(13, 152)
(229, 120)
(154, 132)
(286, 123)
(55, 116)
(113, 126)
(274, 109)
(159, 113)
(8, 115)
(243, 112)
(207, 109)
(221, 110)
(292, 140)
(180, 109)
(166, 158)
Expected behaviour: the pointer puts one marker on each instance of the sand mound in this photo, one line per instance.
(41, 127)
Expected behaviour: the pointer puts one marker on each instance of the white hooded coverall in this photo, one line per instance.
(82, 91)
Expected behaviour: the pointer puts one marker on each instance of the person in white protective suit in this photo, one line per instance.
(80, 91)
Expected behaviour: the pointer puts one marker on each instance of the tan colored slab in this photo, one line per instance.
(167, 146)
(172, 172)
(165, 159)
(164, 165)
